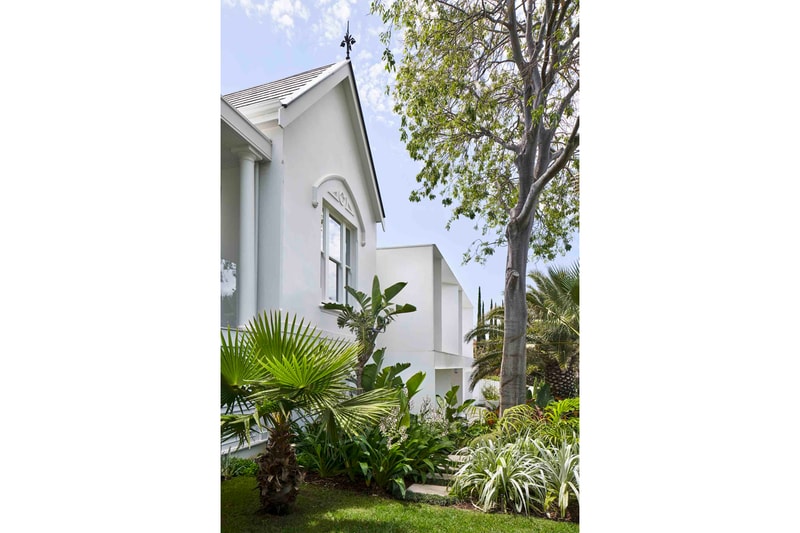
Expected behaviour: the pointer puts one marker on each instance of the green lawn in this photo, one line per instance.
(320, 509)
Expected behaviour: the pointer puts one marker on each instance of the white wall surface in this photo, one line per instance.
(322, 142)
(451, 319)
(410, 332)
(443, 313)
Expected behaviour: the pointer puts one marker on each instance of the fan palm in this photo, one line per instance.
(274, 371)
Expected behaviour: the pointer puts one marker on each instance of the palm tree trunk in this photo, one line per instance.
(279, 475)
(563, 381)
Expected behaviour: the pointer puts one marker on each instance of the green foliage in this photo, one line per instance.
(232, 466)
(540, 393)
(561, 470)
(558, 422)
(524, 474)
(316, 452)
(375, 312)
(488, 356)
(457, 423)
(554, 314)
(552, 334)
(499, 476)
(281, 367)
(274, 371)
(448, 404)
(393, 452)
(485, 108)
(490, 391)
(399, 447)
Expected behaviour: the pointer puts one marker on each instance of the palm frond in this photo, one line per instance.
(277, 367)
(238, 371)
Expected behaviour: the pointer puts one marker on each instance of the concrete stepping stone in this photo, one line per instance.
(422, 488)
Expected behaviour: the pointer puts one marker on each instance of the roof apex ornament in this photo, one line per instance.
(348, 41)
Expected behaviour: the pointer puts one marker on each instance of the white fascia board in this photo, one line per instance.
(366, 154)
(311, 94)
(241, 125)
(285, 101)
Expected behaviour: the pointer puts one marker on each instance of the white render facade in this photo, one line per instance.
(300, 211)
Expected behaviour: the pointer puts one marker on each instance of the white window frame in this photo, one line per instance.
(344, 270)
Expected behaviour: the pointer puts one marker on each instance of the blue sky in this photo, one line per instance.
(268, 40)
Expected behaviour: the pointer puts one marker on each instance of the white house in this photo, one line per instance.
(300, 211)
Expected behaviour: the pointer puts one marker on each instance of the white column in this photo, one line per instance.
(246, 268)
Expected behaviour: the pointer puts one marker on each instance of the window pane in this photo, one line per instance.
(332, 276)
(349, 283)
(322, 233)
(334, 239)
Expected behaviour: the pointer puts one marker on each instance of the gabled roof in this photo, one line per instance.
(279, 89)
(305, 88)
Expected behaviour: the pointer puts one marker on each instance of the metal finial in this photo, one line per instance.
(348, 40)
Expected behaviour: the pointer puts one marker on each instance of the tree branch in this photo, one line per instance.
(516, 50)
(552, 170)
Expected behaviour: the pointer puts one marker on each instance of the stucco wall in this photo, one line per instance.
(412, 332)
(321, 143)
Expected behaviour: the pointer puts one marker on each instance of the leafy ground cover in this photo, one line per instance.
(325, 507)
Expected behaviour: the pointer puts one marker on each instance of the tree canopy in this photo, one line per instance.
(477, 86)
(487, 92)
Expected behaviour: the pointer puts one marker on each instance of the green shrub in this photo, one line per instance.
(491, 391)
(402, 446)
(523, 474)
(316, 453)
(556, 423)
(561, 470)
(458, 423)
(232, 466)
(499, 476)
(394, 452)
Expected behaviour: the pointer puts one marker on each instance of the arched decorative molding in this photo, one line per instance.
(354, 205)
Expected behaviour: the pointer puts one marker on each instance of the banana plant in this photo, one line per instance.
(375, 312)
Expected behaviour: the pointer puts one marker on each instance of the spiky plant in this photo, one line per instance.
(272, 372)
(499, 476)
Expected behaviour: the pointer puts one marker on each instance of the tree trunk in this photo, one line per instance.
(278, 475)
(513, 368)
(563, 382)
